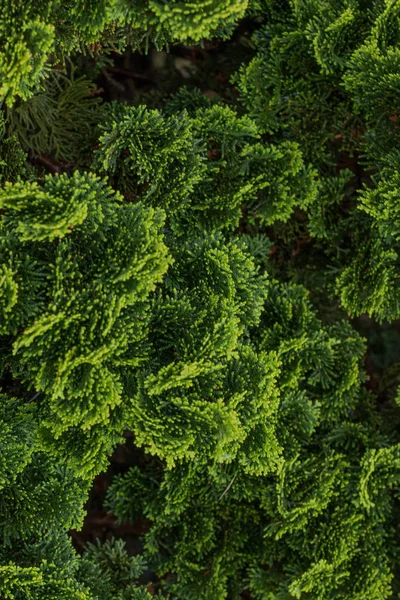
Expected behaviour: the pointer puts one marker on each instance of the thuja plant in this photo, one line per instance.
(379, 250)
(60, 121)
(36, 33)
(45, 466)
(305, 508)
(77, 270)
(204, 167)
(325, 76)
(79, 264)
(150, 293)
(40, 499)
(96, 289)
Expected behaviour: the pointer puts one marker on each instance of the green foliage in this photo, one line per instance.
(12, 157)
(182, 20)
(150, 157)
(306, 527)
(370, 282)
(111, 574)
(32, 32)
(104, 572)
(60, 121)
(40, 499)
(325, 77)
(26, 40)
(194, 21)
(205, 392)
(76, 289)
(203, 168)
(158, 295)
(373, 82)
(37, 494)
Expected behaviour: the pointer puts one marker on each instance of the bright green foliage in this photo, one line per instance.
(40, 498)
(184, 20)
(318, 522)
(26, 38)
(44, 495)
(76, 288)
(163, 301)
(372, 80)
(318, 63)
(241, 170)
(288, 185)
(203, 168)
(325, 220)
(204, 392)
(14, 580)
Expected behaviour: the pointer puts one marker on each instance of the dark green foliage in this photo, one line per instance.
(370, 282)
(60, 121)
(291, 88)
(111, 574)
(325, 77)
(49, 568)
(310, 54)
(373, 82)
(12, 157)
(40, 498)
(203, 168)
(150, 157)
(34, 31)
(189, 100)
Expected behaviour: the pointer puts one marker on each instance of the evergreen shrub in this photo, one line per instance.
(195, 272)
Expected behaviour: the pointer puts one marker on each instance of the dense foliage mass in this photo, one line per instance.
(185, 271)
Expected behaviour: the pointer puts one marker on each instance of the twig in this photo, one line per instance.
(227, 489)
(34, 397)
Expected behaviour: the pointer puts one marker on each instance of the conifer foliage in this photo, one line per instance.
(185, 276)
(203, 167)
(78, 267)
(33, 32)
